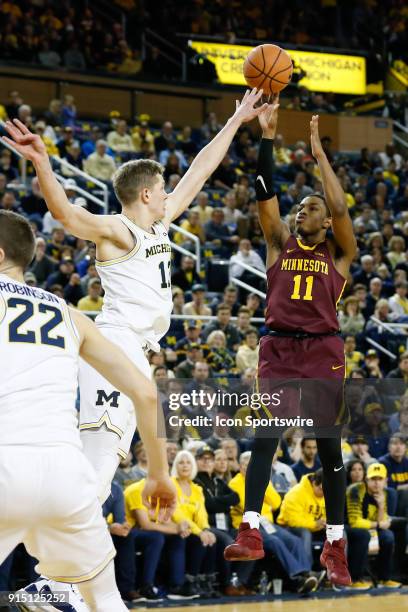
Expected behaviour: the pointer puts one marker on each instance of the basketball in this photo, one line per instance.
(268, 67)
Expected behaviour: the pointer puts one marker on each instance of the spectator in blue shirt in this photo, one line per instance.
(309, 462)
(218, 232)
(396, 462)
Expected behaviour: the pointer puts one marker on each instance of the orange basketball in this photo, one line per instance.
(268, 67)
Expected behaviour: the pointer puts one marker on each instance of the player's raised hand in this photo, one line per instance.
(160, 497)
(317, 149)
(247, 109)
(268, 118)
(28, 144)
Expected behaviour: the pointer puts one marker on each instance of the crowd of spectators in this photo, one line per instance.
(75, 36)
(65, 35)
(207, 463)
(210, 479)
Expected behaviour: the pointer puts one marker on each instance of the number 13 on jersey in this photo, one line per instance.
(299, 286)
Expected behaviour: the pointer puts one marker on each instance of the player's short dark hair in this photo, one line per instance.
(16, 238)
(319, 195)
(133, 176)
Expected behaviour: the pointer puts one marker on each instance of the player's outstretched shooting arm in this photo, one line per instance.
(211, 156)
(112, 363)
(275, 231)
(342, 225)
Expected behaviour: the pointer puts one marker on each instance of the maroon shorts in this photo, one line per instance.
(308, 374)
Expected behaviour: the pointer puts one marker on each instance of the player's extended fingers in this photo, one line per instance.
(9, 141)
(23, 128)
(13, 130)
(256, 95)
(260, 109)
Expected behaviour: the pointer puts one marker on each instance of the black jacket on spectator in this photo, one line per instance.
(31, 204)
(185, 279)
(42, 269)
(73, 293)
(364, 278)
(218, 498)
(58, 278)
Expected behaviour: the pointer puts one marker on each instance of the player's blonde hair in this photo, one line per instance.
(133, 176)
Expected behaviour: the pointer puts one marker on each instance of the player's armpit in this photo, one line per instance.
(83, 224)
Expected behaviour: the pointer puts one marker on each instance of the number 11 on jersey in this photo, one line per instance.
(297, 280)
(165, 284)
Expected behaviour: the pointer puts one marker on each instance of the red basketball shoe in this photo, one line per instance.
(247, 547)
(333, 558)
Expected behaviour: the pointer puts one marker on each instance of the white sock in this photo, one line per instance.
(334, 532)
(252, 518)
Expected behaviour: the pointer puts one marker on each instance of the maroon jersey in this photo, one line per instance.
(304, 288)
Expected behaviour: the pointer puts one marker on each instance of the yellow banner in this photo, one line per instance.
(345, 74)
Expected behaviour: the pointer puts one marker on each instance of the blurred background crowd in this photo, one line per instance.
(209, 464)
(83, 36)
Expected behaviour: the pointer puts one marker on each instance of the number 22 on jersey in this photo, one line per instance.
(40, 334)
(298, 287)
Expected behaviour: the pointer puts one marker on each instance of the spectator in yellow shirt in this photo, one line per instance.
(367, 513)
(200, 544)
(119, 140)
(303, 510)
(354, 359)
(203, 208)
(277, 540)
(248, 352)
(282, 154)
(51, 147)
(391, 174)
(193, 225)
(142, 138)
(94, 300)
(152, 538)
(100, 164)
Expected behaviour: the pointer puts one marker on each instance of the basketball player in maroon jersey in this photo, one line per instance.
(306, 274)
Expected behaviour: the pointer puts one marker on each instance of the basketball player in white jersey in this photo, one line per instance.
(133, 260)
(49, 491)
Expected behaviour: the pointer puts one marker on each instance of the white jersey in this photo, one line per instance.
(138, 287)
(39, 349)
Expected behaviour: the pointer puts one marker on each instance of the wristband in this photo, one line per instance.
(264, 171)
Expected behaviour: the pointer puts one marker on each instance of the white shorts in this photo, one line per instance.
(49, 502)
(101, 405)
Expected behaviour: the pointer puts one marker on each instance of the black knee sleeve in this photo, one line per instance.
(334, 478)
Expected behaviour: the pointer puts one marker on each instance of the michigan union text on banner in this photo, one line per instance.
(329, 72)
